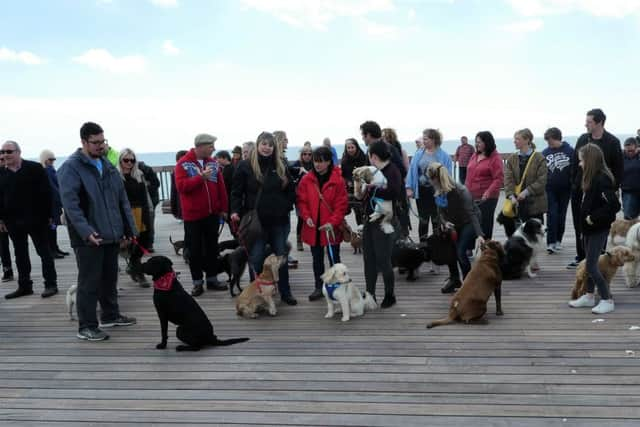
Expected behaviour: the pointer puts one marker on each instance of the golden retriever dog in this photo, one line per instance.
(342, 295)
(608, 263)
(631, 268)
(469, 303)
(620, 227)
(383, 209)
(259, 294)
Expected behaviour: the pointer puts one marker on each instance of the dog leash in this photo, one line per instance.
(329, 232)
(144, 250)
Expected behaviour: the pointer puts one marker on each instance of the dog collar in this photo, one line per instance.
(165, 283)
(260, 283)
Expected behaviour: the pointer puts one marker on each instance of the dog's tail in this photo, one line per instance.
(230, 341)
(170, 241)
(441, 322)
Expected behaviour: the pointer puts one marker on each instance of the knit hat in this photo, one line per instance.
(204, 138)
(237, 150)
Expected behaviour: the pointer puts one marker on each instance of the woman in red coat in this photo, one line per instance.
(322, 202)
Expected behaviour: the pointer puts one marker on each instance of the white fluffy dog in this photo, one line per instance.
(71, 300)
(339, 290)
(630, 269)
(382, 208)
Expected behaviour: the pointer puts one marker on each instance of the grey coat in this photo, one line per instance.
(94, 203)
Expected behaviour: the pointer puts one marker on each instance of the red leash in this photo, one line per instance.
(144, 250)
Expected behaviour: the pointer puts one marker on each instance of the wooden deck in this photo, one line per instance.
(541, 364)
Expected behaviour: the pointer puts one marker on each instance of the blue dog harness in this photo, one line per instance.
(331, 288)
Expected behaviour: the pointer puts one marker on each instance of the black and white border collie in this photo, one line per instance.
(522, 249)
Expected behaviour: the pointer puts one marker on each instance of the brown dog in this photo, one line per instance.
(469, 304)
(259, 294)
(608, 264)
(620, 227)
(356, 241)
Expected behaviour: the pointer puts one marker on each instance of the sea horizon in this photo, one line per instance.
(503, 145)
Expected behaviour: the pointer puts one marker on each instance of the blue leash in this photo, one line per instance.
(332, 259)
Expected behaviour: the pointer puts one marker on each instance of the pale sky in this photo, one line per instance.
(154, 73)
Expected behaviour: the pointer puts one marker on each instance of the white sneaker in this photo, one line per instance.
(551, 249)
(557, 246)
(584, 301)
(604, 306)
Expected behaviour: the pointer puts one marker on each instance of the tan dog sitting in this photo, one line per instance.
(469, 304)
(620, 227)
(259, 294)
(608, 264)
(356, 240)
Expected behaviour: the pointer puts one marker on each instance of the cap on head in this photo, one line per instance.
(204, 138)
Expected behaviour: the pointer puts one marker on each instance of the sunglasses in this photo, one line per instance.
(52, 160)
(128, 160)
(7, 151)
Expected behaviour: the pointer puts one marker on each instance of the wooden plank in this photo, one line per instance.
(541, 364)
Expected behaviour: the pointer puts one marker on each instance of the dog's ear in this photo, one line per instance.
(329, 276)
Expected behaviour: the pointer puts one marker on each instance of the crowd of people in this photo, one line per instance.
(107, 199)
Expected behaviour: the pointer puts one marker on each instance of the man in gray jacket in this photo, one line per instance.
(98, 218)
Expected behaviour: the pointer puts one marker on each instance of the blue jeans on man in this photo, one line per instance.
(558, 203)
(630, 204)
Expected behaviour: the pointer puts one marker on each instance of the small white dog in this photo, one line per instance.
(382, 208)
(630, 269)
(342, 295)
(71, 300)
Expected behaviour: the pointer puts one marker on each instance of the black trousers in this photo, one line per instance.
(97, 282)
(19, 235)
(5, 254)
(427, 210)
(576, 203)
(376, 252)
(201, 237)
(462, 174)
(488, 210)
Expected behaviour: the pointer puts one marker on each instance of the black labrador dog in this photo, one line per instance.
(175, 305)
(409, 256)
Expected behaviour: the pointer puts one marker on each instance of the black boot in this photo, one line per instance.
(20, 292)
(7, 276)
(388, 301)
(451, 285)
(316, 294)
(197, 290)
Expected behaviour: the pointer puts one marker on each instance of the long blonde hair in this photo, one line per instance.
(136, 173)
(46, 155)
(277, 158)
(592, 164)
(440, 179)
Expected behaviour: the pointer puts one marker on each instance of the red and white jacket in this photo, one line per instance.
(200, 198)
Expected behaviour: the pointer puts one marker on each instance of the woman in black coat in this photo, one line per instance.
(598, 210)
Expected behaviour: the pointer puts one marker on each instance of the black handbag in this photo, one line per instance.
(250, 228)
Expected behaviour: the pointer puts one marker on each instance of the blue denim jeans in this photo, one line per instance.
(558, 202)
(630, 205)
(276, 236)
(466, 240)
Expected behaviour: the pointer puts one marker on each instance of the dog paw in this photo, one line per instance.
(161, 346)
(272, 312)
(532, 275)
(328, 315)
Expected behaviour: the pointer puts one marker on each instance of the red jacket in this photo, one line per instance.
(485, 176)
(334, 193)
(200, 198)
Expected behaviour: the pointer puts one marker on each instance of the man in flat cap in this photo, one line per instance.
(203, 198)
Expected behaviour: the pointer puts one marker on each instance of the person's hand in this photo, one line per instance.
(235, 217)
(94, 239)
(3, 228)
(484, 197)
(206, 174)
(310, 223)
(409, 193)
(514, 200)
(327, 226)
(522, 196)
(479, 241)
